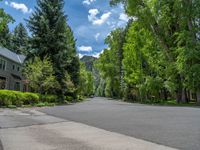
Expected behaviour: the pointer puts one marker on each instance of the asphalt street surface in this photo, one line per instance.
(177, 127)
(1, 147)
(29, 129)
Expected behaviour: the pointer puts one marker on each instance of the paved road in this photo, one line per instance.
(177, 127)
(1, 146)
(30, 129)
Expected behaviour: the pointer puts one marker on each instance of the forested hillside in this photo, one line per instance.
(89, 62)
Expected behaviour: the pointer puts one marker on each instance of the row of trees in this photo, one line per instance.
(17, 41)
(4, 19)
(52, 64)
(157, 55)
(53, 38)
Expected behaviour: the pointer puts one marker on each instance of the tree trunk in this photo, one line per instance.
(179, 95)
(179, 89)
(198, 97)
(165, 94)
(184, 96)
(188, 96)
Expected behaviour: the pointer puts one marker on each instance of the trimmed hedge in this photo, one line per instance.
(16, 98)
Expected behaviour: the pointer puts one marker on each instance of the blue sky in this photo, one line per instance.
(90, 20)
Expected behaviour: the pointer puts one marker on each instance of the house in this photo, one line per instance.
(11, 70)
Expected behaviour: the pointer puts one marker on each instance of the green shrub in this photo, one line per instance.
(12, 106)
(69, 98)
(8, 98)
(41, 104)
(48, 98)
(17, 99)
(31, 98)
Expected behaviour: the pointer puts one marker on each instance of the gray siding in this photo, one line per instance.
(12, 75)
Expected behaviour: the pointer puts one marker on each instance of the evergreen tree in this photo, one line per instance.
(20, 40)
(52, 37)
(5, 37)
(4, 19)
(4, 30)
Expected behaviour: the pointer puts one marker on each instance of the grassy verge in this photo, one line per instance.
(160, 102)
(168, 103)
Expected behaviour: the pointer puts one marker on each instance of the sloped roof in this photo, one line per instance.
(12, 56)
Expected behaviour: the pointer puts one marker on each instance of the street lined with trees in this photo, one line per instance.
(154, 59)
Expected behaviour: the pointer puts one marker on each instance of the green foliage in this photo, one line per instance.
(6, 98)
(109, 66)
(20, 40)
(12, 106)
(30, 98)
(4, 19)
(48, 25)
(48, 98)
(5, 37)
(161, 50)
(141, 63)
(86, 82)
(17, 98)
(41, 76)
(69, 99)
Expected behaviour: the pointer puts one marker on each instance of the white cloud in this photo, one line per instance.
(97, 55)
(92, 14)
(92, 17)
(19, 6)
(102, 19)
(80, 55)
(88, 2)
(124, 17)
(85, 48)
(6, 3)
(97, 36)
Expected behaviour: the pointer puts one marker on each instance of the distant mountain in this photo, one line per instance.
(89, 62)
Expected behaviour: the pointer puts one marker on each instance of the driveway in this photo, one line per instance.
(177, 127)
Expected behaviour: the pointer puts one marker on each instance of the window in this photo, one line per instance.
(13, 67)
(2, 64)
(18, 69)
(17, 86)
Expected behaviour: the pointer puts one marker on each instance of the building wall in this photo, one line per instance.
(12, 68)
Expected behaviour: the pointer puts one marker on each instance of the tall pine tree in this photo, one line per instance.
(52, 37)
(4, 19)
(20, 40)
(5, 37)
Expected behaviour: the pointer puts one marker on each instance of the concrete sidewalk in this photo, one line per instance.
(71, 136)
